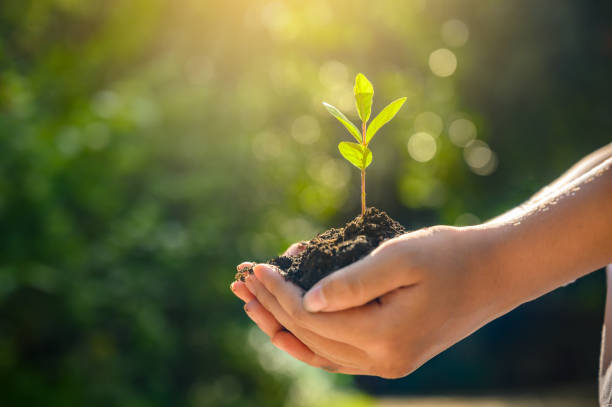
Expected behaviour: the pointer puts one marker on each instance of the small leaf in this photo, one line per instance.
(356, 154)
(352, 152)
(364, 92)
(344, 120)
(383, 118)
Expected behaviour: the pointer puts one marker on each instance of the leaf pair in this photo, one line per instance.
(364, 93)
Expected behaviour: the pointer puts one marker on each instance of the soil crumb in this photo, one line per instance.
(336, 248)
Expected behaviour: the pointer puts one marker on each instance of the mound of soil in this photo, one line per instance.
(336, 248)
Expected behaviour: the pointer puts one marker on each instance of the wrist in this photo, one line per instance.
(491, 281)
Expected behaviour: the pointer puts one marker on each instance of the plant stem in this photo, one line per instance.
(363, 193)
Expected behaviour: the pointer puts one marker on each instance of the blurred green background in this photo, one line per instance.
(148, 146)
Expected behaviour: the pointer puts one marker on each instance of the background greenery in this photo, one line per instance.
(148, 146)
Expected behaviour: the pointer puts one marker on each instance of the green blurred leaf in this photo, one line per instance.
(384, 117)
(364, 92)
(344, 120)
(356, 154)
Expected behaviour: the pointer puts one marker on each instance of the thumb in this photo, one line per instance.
(356, 284)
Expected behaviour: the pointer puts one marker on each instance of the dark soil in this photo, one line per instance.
(336, 248)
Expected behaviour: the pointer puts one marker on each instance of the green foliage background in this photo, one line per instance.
(146, 147)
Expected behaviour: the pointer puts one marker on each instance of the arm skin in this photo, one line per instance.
(438, 285)
(561, 234)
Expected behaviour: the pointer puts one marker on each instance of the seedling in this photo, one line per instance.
(358, 153)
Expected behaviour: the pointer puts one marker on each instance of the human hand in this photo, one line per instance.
(430, 295)
(281, 337)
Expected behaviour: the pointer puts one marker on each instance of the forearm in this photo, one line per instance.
(583, 166)
(565, 234)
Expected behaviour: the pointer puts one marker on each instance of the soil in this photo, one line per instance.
(335, 248)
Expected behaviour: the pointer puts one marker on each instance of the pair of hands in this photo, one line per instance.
(437, 285)
(429, 296)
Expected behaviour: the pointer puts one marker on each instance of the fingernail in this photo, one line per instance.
(314, 300)
(246, 308)
(232, 286)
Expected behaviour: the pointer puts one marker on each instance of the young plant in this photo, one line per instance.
(358, 153)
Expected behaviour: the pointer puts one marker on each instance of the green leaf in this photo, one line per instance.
(367, 157)
(356, 154)
(383, 118)
(364, 92)
(344, 120)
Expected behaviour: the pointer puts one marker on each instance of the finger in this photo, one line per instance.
(262, 318)
(241, 291)
(281, 338)
(353, 326)
(359, 283)
(244, 265)
(242, 269)
(295, 249)
(328, 348)
(287, 342)
(342, 353)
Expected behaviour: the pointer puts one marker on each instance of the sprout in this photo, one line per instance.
(358, 153)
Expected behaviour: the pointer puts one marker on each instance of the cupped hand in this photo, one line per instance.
(428, 292)
(283, 336)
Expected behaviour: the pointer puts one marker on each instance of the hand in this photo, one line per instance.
(429, 297)
(279, 335)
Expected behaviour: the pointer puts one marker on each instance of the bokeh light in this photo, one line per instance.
(422, 146)
(461, 132)
(455, 33)
(443, 62)
(480, 158)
